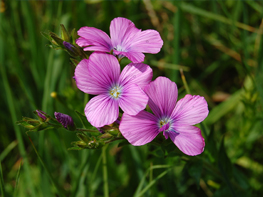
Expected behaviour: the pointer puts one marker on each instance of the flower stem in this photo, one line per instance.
(117, 138)
(105, 173)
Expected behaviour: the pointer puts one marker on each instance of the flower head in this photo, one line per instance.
(64, 119)
(173, 119)
(100, 75)
(126, 40)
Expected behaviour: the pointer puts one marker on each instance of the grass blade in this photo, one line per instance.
(151, 183)
(11, 106)
(17, 178)
(194, 10)
(139, 188)
(2, 182)
(7, 150)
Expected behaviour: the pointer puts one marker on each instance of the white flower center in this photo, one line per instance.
(115, 92)
(118, 48)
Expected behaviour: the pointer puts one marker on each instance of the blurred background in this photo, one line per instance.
(217, 44)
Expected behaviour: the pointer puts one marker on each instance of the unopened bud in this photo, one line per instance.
(65, 120)
(71, 49)
(41, 114)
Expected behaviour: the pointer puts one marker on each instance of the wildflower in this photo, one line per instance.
(126, 40)
(65, 120)
(100, 75)
(175, 120)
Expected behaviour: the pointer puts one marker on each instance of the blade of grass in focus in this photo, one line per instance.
(139, 191)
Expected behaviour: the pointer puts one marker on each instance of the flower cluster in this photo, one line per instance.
(132, 89)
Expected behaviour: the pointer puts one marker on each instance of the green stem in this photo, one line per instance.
(87, 130)
(118, 138)
(105, 173)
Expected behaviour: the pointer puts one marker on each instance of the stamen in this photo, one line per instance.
(115, 92)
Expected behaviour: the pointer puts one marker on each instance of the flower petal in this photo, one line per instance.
(104, 69)
(120, 30)
(96, 48)
(140, 129)
(135, 57)
(148, 41)
(94, 37)
(162, 96)
(189, 142)
(84, 81)
(133, 99)
(101, 110)
(140, 74)
(82, 42)
(190, 110)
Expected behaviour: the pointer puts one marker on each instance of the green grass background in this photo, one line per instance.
(218, 44)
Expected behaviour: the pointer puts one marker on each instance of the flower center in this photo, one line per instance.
(164, 124)
(118, 48)
(115, 92)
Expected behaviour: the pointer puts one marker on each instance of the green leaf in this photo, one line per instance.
(47, 36)
(64, 33)
(223, 160)
(84, 120)
(75, 148)
(195, 170)
(123, 143)
(158, 153)
(225, 167)
(210, 147)
(241, 179)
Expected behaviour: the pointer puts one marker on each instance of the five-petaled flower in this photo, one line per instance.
(100, 75)
(175, 120)
(125, 40)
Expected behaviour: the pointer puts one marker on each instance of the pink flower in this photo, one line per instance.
(100, 75)
(175, 120)
(126, 40)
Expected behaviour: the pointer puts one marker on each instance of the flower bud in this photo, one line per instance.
(65, 120)
(41, 114)
(71, 49)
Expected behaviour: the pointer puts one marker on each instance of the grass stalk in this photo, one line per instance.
(2, 182)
